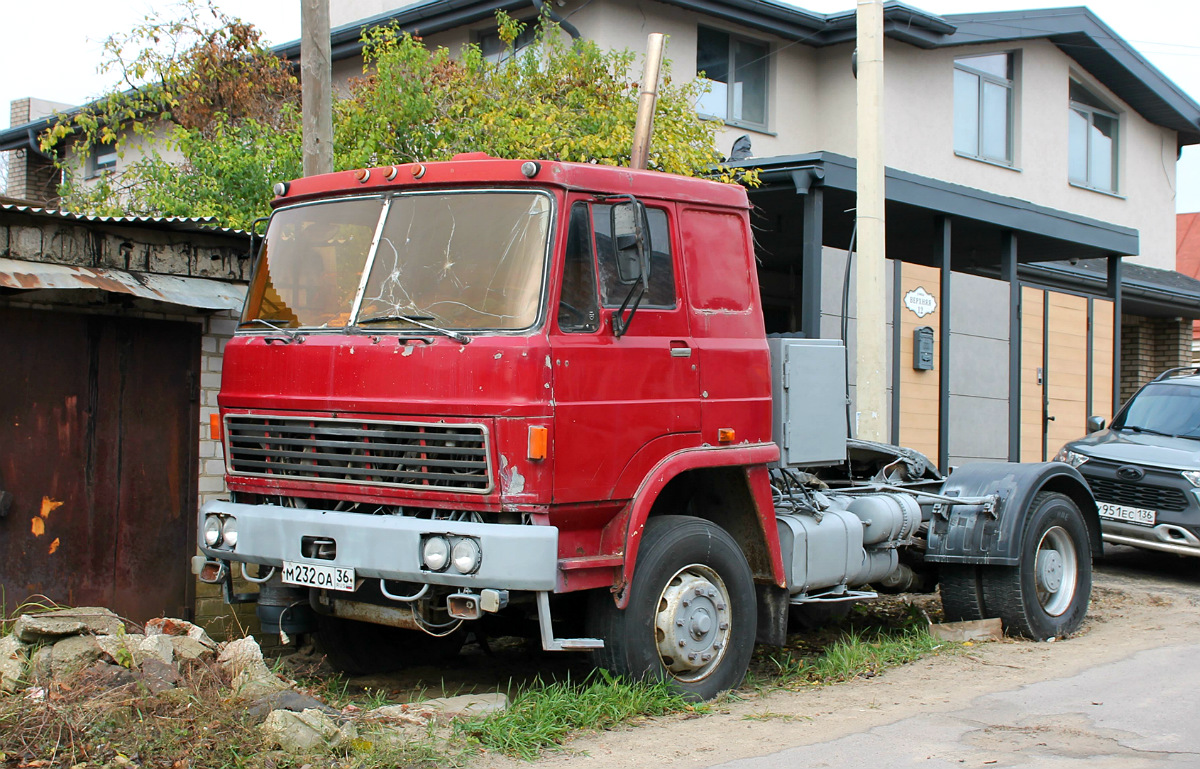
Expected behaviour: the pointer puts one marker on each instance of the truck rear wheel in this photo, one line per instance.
(691, 615)
(961, 586)
(1046, 595)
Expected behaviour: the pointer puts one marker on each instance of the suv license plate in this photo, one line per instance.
(310, 575)
(1130, 514)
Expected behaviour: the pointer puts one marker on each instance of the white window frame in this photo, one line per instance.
(727, 117)
(1089, 112)
(102, 159)
(983, 78)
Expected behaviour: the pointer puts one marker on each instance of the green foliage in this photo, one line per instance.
(547, 714)
(207, 148)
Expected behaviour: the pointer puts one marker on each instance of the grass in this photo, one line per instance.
(85, 720)
(546, 714)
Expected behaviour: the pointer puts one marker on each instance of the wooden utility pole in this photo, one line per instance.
(316, 95)
(871, 296)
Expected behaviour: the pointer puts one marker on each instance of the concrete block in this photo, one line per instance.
(25, 243)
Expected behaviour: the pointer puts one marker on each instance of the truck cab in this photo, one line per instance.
(471, 390)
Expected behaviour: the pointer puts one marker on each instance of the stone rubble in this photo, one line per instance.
(52, 646)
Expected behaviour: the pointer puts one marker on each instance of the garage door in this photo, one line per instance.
(98, 435)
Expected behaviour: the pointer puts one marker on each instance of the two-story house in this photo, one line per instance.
(1030, 187)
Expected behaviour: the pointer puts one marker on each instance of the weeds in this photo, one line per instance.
(544, 715)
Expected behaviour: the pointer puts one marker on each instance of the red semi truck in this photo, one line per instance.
(491, 392)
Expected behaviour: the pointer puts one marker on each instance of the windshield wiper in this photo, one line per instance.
(291, 336)
(1136, 429)
(416, 320)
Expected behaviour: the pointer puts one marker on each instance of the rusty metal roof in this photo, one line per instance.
(202, 293)
(205, 224)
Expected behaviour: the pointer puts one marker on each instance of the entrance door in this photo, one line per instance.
(1066, 368)
(98, 434)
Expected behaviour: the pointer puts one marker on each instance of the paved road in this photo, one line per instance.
(1140, 711)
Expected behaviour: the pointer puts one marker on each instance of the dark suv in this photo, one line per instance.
(1144, 469)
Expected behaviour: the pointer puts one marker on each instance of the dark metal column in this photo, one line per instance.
(943, 254)
(810, 260)
(1115, 271)
(1008, 272)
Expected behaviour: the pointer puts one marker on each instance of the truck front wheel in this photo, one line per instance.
(691, 615)
(1046, 595)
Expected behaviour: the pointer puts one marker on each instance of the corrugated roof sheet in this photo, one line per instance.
(206, 224)
(201, 293)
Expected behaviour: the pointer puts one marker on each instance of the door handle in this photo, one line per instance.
(680, 349)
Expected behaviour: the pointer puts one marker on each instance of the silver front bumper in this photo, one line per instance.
(514, 557)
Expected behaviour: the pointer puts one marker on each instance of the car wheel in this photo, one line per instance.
(691, 616)
(1046, 595)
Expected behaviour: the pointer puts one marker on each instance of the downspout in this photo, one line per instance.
(550, 14)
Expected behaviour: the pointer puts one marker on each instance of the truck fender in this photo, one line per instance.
(752, 457)
(969, 534)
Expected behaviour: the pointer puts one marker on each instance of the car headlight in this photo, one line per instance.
(466, 555)
(229, 533)
(1193, 476)
(212, 531)
(1072, 458)
(435, 553)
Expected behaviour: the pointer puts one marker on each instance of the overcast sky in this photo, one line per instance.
(53, 56)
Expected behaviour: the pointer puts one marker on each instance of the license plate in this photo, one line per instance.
(311, 575)
(1130, 514)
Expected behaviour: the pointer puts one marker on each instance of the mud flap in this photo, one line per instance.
(772, 615)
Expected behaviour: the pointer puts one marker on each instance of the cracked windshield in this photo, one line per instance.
(463, 261)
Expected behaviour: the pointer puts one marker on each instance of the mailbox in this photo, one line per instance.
(923, 348)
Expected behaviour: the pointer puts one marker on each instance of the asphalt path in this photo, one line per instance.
(1142, 710)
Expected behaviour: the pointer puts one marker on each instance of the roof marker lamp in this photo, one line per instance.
(280, 189)
(530, 168)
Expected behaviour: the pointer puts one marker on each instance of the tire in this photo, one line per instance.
(362, 648)
(1046, 595)
(962, 592)
(691, 618)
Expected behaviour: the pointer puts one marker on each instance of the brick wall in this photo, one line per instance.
(1150, 346)
(30, 176)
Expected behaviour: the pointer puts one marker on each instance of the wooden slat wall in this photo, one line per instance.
(1032, 303)
(1102, 359)
(1067, 378)
(919, 390)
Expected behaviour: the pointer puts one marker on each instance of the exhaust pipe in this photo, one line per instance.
(646, 100)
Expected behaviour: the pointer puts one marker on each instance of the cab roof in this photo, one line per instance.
(480, 170)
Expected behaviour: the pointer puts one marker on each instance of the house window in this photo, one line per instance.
(983, 88)
(736, 72)
(103, 158)
(1092, 139)
(494, 49)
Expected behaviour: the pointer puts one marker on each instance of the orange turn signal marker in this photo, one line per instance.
(725, 435)
(538, 438)
(214, 426)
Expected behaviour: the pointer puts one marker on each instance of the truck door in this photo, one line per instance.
(620, 404)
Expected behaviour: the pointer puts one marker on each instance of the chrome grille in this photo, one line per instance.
(416, 455)
(1143, 495)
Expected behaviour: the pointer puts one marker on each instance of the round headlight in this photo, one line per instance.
(466, 555)
(435, 553)
(212, 531)
(229, 532)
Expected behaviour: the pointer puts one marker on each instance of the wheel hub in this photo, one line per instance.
(693, 621)
(1049, 570)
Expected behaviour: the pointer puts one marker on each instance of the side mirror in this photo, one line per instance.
(629, 227)
(1095, 424)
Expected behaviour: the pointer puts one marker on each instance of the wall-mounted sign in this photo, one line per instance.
(920, 301)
